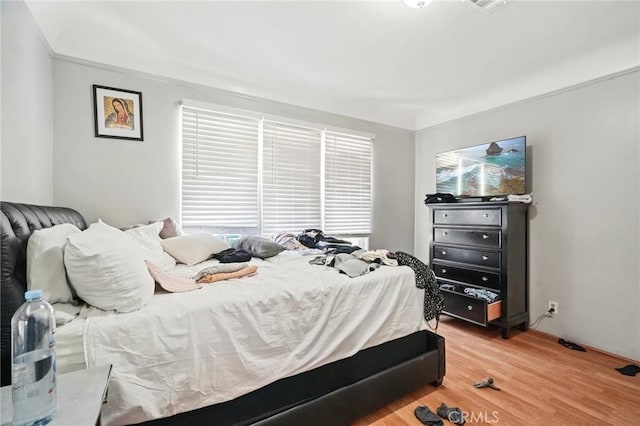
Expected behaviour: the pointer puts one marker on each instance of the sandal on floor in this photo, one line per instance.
(427, 417)
(629, 370)
(453, 414)
(571, 345)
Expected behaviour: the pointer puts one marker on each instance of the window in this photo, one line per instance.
(291, 178)
(347, 194)
(219, 170)
(244, 174)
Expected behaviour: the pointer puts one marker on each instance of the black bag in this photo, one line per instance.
(439, 198)
(232, 255)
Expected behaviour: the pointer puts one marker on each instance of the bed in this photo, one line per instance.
(364, 359)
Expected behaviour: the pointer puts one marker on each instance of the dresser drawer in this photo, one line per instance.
(467, 237)
(467, 217)
(490, 259)
(471, 308)
(469, 276)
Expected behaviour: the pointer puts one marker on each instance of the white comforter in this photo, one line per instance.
(188, 350)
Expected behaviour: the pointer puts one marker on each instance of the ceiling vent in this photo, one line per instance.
(487, 4)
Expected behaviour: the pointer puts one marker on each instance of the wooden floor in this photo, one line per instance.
(542, 382)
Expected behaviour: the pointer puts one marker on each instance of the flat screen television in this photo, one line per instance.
(487, 170)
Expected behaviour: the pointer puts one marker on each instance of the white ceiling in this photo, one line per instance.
(378, 60)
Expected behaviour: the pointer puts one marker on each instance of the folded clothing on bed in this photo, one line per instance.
(289, 241)
(350, 265)
(211, 277)
(170, 283)
(216, 269)
(378, 256)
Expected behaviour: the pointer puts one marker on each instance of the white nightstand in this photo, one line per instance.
(80, 397)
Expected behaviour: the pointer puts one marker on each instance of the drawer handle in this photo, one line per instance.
(444, 271)
(485, 279)
(485, 258)
(485, 236)
(444, 215)
(485, 215)
(469, 308)
(444, 252)
(444, 232)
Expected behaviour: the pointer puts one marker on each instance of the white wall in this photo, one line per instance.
(124, 182)
(583, 153)
(27, 116)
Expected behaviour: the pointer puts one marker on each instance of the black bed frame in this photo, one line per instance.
(334, 394)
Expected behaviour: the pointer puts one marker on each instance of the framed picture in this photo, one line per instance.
(117, 113)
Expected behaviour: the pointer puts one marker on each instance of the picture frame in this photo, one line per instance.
(117, 113)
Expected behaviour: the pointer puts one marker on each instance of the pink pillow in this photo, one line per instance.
(170, 228)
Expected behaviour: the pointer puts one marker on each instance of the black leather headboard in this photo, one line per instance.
(17, 223)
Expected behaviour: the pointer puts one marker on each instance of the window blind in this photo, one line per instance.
(290, 178)
(219, 169)
(347, 197)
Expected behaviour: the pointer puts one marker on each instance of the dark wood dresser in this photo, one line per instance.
(477, 248)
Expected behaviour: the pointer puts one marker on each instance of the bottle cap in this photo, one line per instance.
(33, 294)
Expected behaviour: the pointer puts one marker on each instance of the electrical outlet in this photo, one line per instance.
(553, 305)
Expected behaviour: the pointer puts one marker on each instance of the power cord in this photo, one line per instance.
(547, 314)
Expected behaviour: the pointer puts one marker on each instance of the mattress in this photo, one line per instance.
(188, 350)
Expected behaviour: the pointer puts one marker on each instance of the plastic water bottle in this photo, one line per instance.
(33, 366)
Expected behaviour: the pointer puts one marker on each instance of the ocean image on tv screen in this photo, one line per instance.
(496, 168)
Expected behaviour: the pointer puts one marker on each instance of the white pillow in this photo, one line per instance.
(193, 248)
(45, 264)
(107, 269)
(147, 238)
